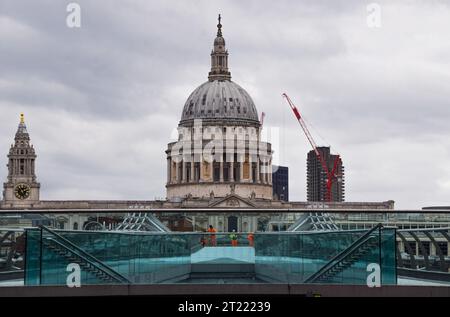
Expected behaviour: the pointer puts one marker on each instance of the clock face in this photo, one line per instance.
(22, 191)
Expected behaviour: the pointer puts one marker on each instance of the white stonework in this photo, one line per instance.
(206, 190)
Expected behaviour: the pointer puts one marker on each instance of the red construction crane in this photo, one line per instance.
(331, 176)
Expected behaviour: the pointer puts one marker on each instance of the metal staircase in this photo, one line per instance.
(314, 221)
(142, 221)
(73, 254)
(347, 257)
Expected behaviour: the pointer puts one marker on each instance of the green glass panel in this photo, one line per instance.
(108, 257)
(32, 268)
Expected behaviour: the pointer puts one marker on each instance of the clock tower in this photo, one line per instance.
(21, 189)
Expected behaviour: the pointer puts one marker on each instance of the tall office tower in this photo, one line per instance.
(280, 182)
(317, 177)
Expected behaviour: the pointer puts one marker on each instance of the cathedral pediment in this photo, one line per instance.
(232, 201)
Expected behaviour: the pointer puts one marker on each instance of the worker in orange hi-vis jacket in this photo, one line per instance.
(212, 237)
(251, 239)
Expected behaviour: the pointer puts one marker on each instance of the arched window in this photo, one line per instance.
(22, 166)
(75, 226)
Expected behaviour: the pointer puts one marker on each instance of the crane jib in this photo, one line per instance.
(331, 175)
(297, 114)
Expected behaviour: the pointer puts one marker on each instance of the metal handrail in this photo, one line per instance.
(425, 229)
(84, 259)
(88, 257)
(342, 255)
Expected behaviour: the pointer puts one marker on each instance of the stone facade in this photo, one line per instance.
(230, 201)
(225, 214)
(211, 189)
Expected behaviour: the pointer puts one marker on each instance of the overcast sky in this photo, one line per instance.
(102, 101)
